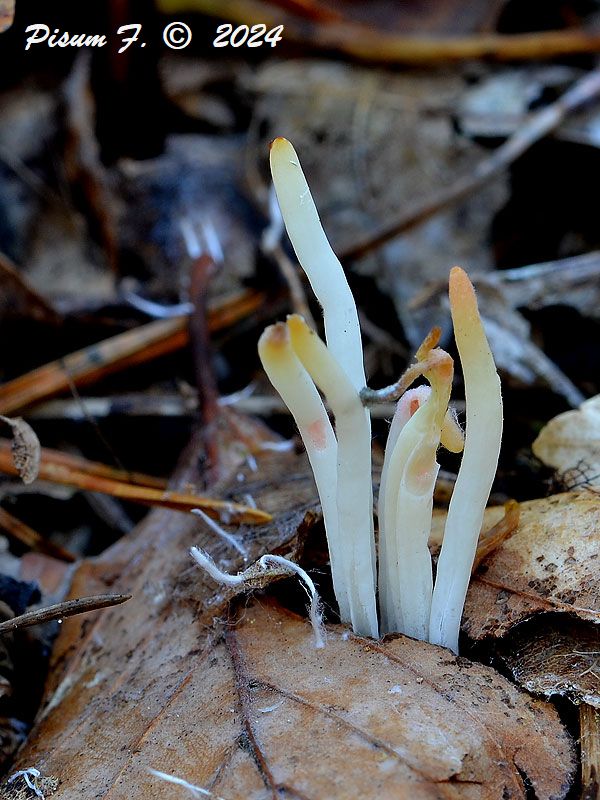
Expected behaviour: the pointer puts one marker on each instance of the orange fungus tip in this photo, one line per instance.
(461, 289)
(277, 141)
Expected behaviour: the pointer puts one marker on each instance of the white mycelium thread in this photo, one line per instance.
(268, 564)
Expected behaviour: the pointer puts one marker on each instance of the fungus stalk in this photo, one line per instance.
(478, 465)
(297, 390)
(354, 494)
(344, 347)
(406, 495)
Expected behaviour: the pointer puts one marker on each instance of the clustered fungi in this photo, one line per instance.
(299, 364)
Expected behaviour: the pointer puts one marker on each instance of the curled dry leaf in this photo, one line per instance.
(556, 658)
(26, 450)
(550, 564)
(571, 444)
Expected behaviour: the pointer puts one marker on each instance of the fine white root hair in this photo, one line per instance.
(265, 566)
(27, 775)
(216, 528)
(315, 608)
(196, 791)
(203, 560)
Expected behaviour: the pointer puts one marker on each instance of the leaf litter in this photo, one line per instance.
(248, 707)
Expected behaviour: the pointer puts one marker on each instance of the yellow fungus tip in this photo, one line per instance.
(275, 339)
(277, 142)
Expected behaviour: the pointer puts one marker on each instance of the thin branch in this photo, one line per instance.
(539, 125)
(60, 610)
(30, 538)
(589, 721)
(57, 472)
(138, 346)
(375, 44)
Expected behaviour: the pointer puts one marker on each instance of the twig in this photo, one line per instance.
(56, 458)
(23, 533)
(138, 346)
(178, 501)
(380, 45)
(168, 405)
(589, 722)
(60, 610)
(202, 270)
(540, 124)
(38, 306)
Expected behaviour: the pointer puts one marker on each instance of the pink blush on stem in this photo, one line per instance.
(318, 434)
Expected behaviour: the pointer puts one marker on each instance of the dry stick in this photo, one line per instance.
(55, 458)
(32, 539)
(60, 610)
(202, 270)
(589, 734)
(379, 45)
(168, 405)
(40, 308)
(178, 501)
(539, 125)
(125, 350)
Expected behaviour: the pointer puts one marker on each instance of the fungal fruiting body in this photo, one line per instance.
(406, 500)
(408, 600)
(299, 365)
(354, 548)
(478, 466)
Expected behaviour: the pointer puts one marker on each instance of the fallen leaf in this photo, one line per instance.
(403, 719)
(116, 681)
(571, 444)
(550, 564)
(556, 658)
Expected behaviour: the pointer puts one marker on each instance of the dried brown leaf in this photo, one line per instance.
(556, 658)
(117, 680)
(571, 444)
(401, 720)
(550, 564)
